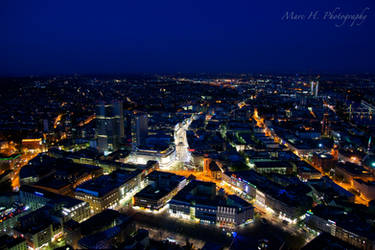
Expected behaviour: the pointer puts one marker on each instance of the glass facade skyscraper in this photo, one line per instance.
(139, 129)
(109, 126)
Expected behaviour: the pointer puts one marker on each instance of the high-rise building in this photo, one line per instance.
(139, 129)
(369, 145)
(314, 88)
(325, 125)
(128, 117)
(109, 126)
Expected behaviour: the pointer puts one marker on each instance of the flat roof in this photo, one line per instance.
(106, 183)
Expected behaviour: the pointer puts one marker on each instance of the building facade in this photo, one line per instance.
(109, 126)
(139, 129)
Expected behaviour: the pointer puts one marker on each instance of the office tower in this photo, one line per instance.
(45, 126)
(109, 126)
(316, 89)
(139, 129)
(325, 125)
(128, 117)
(314, 85)
(369, 145)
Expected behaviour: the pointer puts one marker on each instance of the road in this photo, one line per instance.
(359, 199)
(16, 164)
(154, 222)
(229, 189)
(23, 160)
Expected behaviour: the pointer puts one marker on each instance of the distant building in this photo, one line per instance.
(109, 126)
(350, 171)
(326, 241)
(212, 168)
(62, 178)
(323, 161)
(198, 202)
(306, 172)
(325, 125)
(10, 243)
(63, 207)
(339, 223)
(329, 191)
(98, 231)
(367, 188)
(11, 210)
(165, 155)
(314, 88)
(163, 186)
(139, 127)
(107, 191)
(273, 166)
(32, 144)
(38, 228)
(287, 204)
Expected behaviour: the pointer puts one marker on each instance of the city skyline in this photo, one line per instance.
(187, 125)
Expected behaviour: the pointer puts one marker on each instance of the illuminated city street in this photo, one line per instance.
(199, 125)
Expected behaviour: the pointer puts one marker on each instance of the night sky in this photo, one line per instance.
(95, 37)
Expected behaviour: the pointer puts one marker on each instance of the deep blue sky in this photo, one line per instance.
(64, 37)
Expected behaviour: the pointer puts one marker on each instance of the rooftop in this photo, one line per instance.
(106, 183)
(204, 193)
